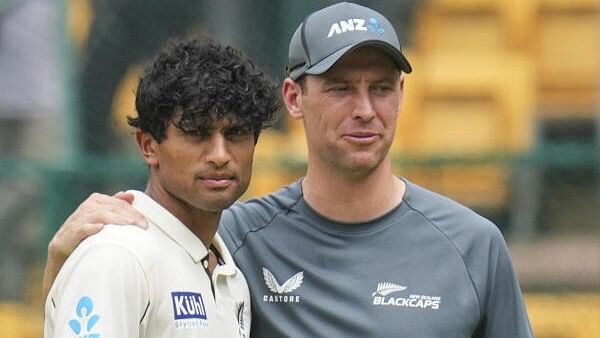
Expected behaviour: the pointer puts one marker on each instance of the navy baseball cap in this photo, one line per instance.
(330, 33)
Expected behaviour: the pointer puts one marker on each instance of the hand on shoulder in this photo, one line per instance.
(88, 219)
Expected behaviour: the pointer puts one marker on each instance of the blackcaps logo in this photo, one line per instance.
(384, 289)
(386, 294)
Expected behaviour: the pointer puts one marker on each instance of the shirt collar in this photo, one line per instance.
(228, 268)
(178, 232)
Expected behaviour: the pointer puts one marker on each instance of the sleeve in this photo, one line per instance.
(504, 312)
(102, 291)
(236, 222)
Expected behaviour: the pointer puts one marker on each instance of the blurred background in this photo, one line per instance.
(501, 112)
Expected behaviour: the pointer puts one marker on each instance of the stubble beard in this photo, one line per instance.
(357, 164)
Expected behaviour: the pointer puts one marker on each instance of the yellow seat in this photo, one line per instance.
(444, 26)
(566, 50)
(20, 321)
(269, 172)
(475, 108)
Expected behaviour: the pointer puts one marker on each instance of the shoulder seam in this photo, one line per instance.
(433, 224)
(137, 257)
(284, 211)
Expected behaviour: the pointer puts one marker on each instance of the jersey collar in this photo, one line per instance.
(178, 232)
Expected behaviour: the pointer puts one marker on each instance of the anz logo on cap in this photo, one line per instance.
(352, 25)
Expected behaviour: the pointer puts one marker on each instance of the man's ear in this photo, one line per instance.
(148, 147)
(401, 91)
(402, 82)
(292, 98)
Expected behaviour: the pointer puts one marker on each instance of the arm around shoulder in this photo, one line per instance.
(101, 289)
(88, 219)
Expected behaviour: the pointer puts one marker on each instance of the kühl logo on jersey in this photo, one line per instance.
(188, 305)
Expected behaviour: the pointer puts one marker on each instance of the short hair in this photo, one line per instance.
(194, 83)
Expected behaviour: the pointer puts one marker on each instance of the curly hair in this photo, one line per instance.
(194, 83)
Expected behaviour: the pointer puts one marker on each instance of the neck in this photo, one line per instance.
(353, 198)
(202, 223)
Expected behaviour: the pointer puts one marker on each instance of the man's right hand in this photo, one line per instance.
(88, 219)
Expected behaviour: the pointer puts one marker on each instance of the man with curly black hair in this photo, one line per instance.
(350, 249)
(201, 108)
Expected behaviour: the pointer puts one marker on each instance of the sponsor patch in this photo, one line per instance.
(83, 323)
(188, 310)
(393, 295)
(355, 25)
(279, 292)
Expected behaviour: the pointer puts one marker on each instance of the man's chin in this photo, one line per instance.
(362, 163)
(216, 203)
(216, 206)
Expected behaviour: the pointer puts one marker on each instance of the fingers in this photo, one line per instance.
(62, 244)
(69, 235)
(133, 216)
(88, 229)
(108, 215)
(90, 217)
(125, 196)
(100, 208)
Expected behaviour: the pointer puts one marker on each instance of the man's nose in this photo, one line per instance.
(218, 152)
(363, 106)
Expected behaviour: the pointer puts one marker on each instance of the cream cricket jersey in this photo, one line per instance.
(128, 282)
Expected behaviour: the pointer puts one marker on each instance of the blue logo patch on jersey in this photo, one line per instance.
(187, 305)
(85, 321)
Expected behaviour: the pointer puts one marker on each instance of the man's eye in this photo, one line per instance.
(338, 89)
(381, 88)
(198, 135)
(238, 132)
(235, 131)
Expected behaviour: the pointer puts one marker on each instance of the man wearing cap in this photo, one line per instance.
(351, 250)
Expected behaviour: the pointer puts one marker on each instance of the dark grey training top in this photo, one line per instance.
(428, 268)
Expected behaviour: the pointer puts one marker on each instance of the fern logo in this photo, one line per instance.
(243, 318)
(386, 296)
(384, 289)
(280, 291)
(84, 323)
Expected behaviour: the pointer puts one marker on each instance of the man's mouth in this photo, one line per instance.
(217, 180)
(360, 137)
